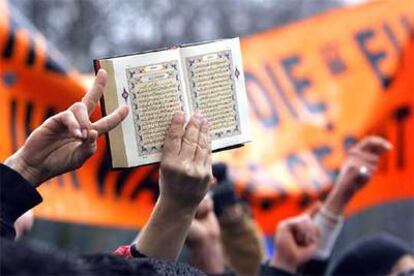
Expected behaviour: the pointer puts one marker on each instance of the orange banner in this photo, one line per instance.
(314, 88)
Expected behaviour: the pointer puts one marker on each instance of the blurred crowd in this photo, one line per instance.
(197, 206)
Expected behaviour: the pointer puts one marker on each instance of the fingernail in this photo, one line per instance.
(197, 118)
(178, 117)
(84, 133)
(388, 146)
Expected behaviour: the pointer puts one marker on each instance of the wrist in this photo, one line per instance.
(171, 208)
(19, 165)
(177, 204)
(284, 265)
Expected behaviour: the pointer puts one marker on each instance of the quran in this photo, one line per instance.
(205, 77)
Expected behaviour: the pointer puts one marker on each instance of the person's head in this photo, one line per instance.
(20, 259)
(380, 254)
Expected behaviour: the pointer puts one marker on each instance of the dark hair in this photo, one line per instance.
(19, 259)
(106, 264)
(375, 255)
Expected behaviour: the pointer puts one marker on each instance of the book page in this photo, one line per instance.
(215, 82)
(213, 91)
(151, 84)
(156, 94)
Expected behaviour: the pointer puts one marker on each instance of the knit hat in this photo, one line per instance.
(375, 255)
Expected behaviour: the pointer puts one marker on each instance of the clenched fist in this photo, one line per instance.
(296, 241)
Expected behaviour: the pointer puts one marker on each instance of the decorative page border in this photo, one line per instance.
(136, 72)
(194, 99)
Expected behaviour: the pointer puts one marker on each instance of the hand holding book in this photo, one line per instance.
(206, 78)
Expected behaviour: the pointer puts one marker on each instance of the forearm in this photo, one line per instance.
(338, 199)
(330, 220)
(164, 234)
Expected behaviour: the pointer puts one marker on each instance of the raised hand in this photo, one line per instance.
(185, 170)
(361, 163)
(296, 241)
(66, 140)
(185, 173)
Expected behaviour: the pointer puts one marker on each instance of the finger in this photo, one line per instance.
(92, 136)
(360, 173)
(365, 156)
(311, 233)
(68, 119)
(371, 167)
(89, 145)
(202, 150)
(175, 133)
(374, 144)
(110, 121)
(92, 97)
(364, 175)
(189, 141)
(297, 226)
(313, 209)
(81, 114)
(305, 228)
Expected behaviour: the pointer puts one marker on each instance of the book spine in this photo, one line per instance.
(96, 65)
(109, 103)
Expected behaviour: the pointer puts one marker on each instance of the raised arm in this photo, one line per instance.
(185, 173)
(296, 242)
(66, 140)
(361, 163)
(357, 170)
(61, 144)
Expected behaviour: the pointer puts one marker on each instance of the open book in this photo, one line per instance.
(205, 77)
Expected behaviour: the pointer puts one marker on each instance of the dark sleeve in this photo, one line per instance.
(268, 270)
(135, 252)
(315, 267)
(17, 196)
